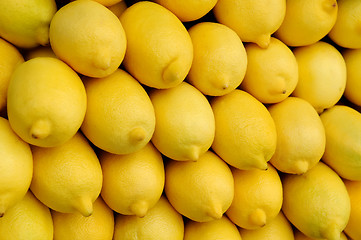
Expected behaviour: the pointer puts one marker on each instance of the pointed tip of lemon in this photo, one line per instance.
(40, 129)
(42, 36)
(138, 134)
(193, 154)
(333, 232)
(139, 208)
(171, 72)
(84, 206)
(258, 217)
(215, 211)
(301, 167)
(260, 163)
(222, 83)
(329, 5)
(263, 40)
(102, 61)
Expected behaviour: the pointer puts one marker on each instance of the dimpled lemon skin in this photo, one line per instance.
(120, 117)
(343, 146)
(29, 219)
(272, 72)
(353, 84)
(25, 23)
(245, 135)
(316, 202)
(301, 137)
(159, 43)
(67, 178)
(353, 226)
(202, 190)
(162, 222)
(132, 183)
(219, 59)
(46, 102)
(89, 37)
(185, 127)
(16, 167)
(253, 21)
(300, 236)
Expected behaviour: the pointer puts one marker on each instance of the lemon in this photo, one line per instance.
(100, 225)
(9, 60)
(316, 202)
(272, 72)
(67, 178)
(345, 32)
(257, 197)
(188, 10)
(120, 116)
(46, 101)
(158, 42)
(202, 190)
(89, 37)
(16, 167)
(25, 23)
(300, 236)
(253, 21)
(307, 22)
(221, 228)
(108, 3)
(40, 51)
(245, 134)
(277, 229)
(354, 191)
(162, 222)
(343, 132)
(301, 137)
(29, 219)
(185, 127)
(118, 8)
(352, 59)
(219, 59)
(321, 75)
(132, 183)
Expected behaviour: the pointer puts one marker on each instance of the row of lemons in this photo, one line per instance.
(174, 119)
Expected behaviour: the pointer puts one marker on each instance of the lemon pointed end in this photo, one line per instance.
(258, 217)
(40, 129)
(139, 208)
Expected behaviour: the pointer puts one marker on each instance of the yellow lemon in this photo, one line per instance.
(25, 23)
(9, 60)
(158, 42)
(316, 202)
(108, 3)
(118, 8)
(188, 10)
(40, 51)
(202, 190)
(67, 178)
(301, 137)
(353, 226)
(245, 134)
(253, 21)
(100, 225)
(162, 222)
(219, 59)
(16, 167)
(89, 37)
(46, 101)
(221, 228)
(120, 116)
(257, 197)
(185, 127)
(277, 229)
(345, 32)
(352, 59)
(29, 219)
(321, 75)
(300, 236)
(272, 72)
(132, 183)
(307, 21)
(343, 147)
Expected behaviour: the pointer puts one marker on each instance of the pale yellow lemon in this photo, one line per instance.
(300, 236)
(184, 127)
(29, 219)
(120, 117)
(245, 135)
(353, 226)
(307, 21)
(161, 223)
(25, 23)
(254, 21)
(301, 137)
(89, 37)
(98, 226)
(158, 42)
(46, 101)
(316, 202)
(322, 75)
(16, 167)
(257, 197)
(219, 59)
(272, 72)
(67, 178)
(132, 183)
(353, 81)
(201, 191)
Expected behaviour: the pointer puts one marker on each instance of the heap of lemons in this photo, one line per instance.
(180, 119)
